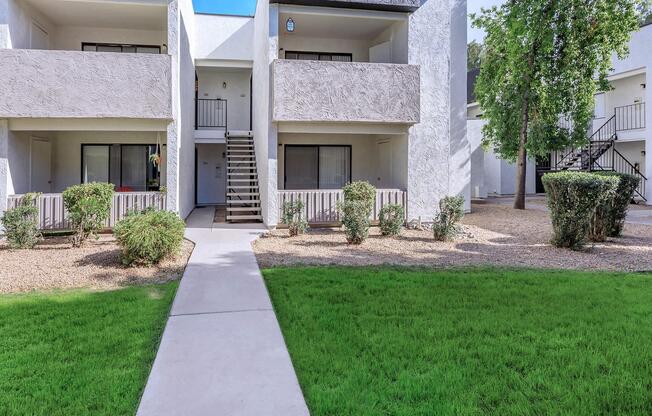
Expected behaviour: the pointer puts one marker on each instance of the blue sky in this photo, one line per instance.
(474, 6)
(234, 7)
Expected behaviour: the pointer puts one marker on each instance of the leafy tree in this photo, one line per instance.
(544, 60)
(474, 55)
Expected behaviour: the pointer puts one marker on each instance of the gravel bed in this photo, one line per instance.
(53, 264)
(493, 235)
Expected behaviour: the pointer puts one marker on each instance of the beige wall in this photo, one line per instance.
(66, 152)
(211, 86)
(71, 37)
(364, 155)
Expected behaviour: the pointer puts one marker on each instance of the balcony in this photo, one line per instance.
(75, 84)
(328, 91)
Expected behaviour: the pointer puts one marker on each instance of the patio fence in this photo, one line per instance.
(53, 215)
(321, 204)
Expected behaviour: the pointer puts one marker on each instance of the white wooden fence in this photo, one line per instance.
(321, 205)
(53, 215)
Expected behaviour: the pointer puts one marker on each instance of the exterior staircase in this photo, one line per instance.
(243, 192)
(600, 154)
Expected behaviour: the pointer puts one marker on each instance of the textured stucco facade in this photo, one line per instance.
(4, 166)
(429, 46)
(307, 91)
(76, 84)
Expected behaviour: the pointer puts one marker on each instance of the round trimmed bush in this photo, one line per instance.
(88, 206)
(392, 218)
(451, 211)
(573, 198)
(150, 236)
(611, 215)
(21, 223)
(355, 218)
(360, 191)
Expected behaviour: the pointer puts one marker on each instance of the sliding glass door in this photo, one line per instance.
(130, 167)
(317, 166)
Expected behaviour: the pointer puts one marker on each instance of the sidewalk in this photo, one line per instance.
(222, 351)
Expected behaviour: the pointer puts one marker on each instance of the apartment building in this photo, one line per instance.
(180, 109)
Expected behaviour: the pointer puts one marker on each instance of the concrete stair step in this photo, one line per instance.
(250, 194)
(243, 209)
(244, 217)
(243, 201)
(243, 187)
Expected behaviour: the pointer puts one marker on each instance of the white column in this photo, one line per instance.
(460, 150)
(4, 166)
(429, 142)
(648, 134)
(173, 142)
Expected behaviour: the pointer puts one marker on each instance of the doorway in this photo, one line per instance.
(211, 174)
(385, 169)
(40, 165)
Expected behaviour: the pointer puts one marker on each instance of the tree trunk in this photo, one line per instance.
(519, 198)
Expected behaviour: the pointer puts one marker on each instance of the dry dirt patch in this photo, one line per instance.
(53, 264)
(494, 235)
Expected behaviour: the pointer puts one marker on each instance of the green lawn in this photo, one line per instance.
(79, 353)
(389, 341)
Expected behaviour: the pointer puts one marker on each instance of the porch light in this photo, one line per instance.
(289, 25)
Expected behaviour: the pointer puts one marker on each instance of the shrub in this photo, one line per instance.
(293, 217)
(451, 211)
(360, 191)
(609, 219)
(355, 218)
(392, 218)
(149, 236)
(89, 206)
(21, 223)
(573, 198)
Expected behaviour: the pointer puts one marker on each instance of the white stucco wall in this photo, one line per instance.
(265, 132)
(16, 19)
(223, 37)
(434, 154)
(37, 83)
(474, 136)
(237, 94)
(4, 166)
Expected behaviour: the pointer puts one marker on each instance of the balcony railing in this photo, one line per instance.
(320, 205)
(210, 113)
(630, 117)
(53, 215)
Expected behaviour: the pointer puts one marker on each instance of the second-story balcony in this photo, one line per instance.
(351, 92)
(76, 84)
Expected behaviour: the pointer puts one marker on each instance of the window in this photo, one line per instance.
(128, 166)
(119, 48)
(600, 105)
(319, 56)
(317, 167)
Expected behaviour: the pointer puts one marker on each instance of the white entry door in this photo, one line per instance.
(40, 166)
(385, 173)
(211, 174)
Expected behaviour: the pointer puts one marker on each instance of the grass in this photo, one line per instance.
(391, 341)
(80, 352)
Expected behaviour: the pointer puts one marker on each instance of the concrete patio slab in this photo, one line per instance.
(222, 351)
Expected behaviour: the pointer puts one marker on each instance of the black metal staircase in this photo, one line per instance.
(600, 153)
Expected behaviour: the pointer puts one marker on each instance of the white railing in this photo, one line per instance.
(53, 215)
(321, 205)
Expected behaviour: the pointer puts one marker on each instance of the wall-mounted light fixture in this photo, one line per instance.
(224, 85)
(289, 25)
(643, 85)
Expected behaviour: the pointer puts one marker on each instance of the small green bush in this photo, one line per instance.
(149, 236)
(293, 217)
(88, 206)
(355, 218)
(392, 218)
(451, 211)
(360, 191)
(21, 223)
(609, 219)
(573, 198)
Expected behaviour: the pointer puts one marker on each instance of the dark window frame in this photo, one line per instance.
(121, 46)
(318, 146)
(110, 145)
(331, 54)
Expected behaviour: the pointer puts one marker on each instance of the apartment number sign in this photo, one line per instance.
(289, 25)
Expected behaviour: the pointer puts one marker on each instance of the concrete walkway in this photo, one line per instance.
(222, 351)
